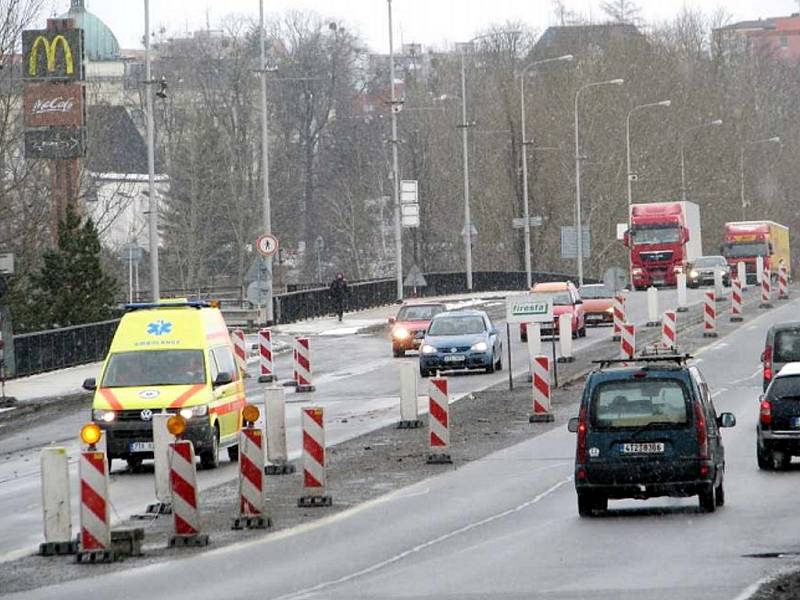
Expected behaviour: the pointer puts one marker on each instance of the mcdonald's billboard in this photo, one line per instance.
(53, 105)
(53, 54)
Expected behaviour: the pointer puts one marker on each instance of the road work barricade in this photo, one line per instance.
(741, 275)
(94, 542)
(56, 511)
(683, 303)
(652, 307)
(766, 289)
(183, 482)
(736, 300)
(542, 413)
(534, 343)
(627, 343)
(314, 459)
(275, 425)
(669, 330)
(619, 316)
(239, 349)
(719, 295)
(439, 422)
(161, 441)
(565, 338)
(783, 283)
(266, 365)
(303, 365)
(252, 504)
(709, 315)
(409, 410)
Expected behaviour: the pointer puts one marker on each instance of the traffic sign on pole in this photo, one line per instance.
(267, 244)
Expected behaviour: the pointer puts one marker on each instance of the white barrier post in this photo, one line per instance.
(718, 291)
(736, 300)
(239, 349)
(652, 307)
(683, 301)
(275, 425)
(56, 511)
(265, 358)
(709, 315)
(94, 544)
(783, 282)
(541, 390)
(741, 274)
(619, 316)
(161, 442)
(627, 344)
(439, 422)
(759, 269)
(669, 330)
(185, 510)
(766, 289)
(534, 343)
(314, 459)
(565, 338)
(252, 503)
(409, 409)
(304, 365)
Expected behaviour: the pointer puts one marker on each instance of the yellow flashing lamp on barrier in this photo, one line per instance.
(176, 425)
(215, 304)
(91, 434)
(250, 413)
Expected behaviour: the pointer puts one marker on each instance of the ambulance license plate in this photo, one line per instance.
(643, 448)
(140, 447)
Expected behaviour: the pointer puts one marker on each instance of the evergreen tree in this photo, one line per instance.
(71, 287)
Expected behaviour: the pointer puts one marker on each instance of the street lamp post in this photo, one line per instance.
(772, 140)
(628, 147)
(578, 231)
(267, 220)
(151, 162)
(525, 142)
(398, 230)
(714, 123)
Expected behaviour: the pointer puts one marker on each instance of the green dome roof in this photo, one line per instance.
(100, 43)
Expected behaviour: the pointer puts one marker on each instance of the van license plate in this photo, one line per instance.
(643, 448)
(140, 447)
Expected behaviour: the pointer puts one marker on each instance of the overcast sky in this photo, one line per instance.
(429, 22)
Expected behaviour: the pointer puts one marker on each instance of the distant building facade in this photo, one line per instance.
(777, 36)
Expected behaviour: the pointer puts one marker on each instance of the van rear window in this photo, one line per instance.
(155, 367)
(639, 402)
(787, 345)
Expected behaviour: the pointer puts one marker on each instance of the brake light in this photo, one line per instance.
(765, 413)
(702, 432)
(582, 428)
(767, 358)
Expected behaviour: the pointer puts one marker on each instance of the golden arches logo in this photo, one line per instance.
(50, 48)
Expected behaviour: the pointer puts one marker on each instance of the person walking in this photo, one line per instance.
(339, 292)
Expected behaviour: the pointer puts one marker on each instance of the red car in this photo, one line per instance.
(566, 300)
(409, 326)
(598, 304)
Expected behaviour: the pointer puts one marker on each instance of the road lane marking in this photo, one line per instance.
(425, 545)
(718, 392)
(743, 379)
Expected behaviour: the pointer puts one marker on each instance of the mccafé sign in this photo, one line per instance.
(53, 54)
(53, 105)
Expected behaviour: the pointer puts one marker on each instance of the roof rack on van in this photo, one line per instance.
(679, 359)
(165, 303)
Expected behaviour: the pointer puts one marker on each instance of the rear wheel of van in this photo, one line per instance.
(233, 453)
(588, 503)
(707, 500)
(209, 459)
(764, 459)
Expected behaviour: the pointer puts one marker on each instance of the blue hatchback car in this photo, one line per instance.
(462, 339)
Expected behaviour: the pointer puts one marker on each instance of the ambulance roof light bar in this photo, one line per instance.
(165, 303)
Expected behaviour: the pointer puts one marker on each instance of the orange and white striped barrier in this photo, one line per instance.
(185, 510)
(303, 365)
(266, 365)
(709, 315)
(766, 289)
(239, 349)
(94, 544)
(619, 315)
(252, 503)
(313, 422)
(439, 422)
(56, 512)
(540, 365)
(669, 330)
(783, 283)
(627, 342)
(736, 300)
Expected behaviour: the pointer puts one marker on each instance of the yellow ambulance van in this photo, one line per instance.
(174, 356)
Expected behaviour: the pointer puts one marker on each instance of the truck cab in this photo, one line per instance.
(745, 241)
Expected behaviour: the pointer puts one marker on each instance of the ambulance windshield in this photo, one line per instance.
(155, 367)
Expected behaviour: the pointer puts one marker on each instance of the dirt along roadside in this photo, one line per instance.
(374, 464)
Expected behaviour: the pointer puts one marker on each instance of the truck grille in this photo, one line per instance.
(656, 256)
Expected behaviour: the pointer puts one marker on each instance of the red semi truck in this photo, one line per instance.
(664, 238)
(745, 240)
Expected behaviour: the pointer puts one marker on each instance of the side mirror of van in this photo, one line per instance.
(223, 378)
(89, 384)
(572, 425)
(726, 419)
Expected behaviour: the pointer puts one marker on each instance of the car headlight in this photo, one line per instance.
(194, 411)
(400, 333)
(693, 274)
(428, 349)
(479, 347)
(637, 271)
(610, 310)
(107, 416)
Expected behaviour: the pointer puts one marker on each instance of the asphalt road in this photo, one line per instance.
(357, 383)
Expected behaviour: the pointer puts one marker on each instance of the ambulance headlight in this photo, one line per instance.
(107, 416)
(194, 411)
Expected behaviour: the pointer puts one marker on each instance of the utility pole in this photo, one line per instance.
(151, 161)
(398, 230)
(465, 153)
(267, 221)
